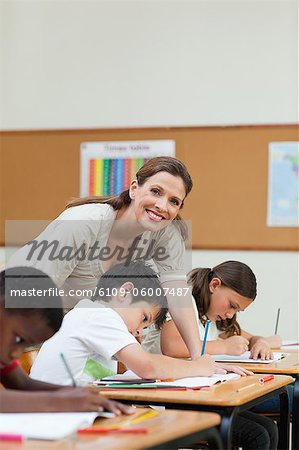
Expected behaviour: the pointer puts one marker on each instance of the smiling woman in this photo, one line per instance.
(143, 222)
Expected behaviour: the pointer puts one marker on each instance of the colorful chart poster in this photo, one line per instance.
(283, 184)
(107, 168)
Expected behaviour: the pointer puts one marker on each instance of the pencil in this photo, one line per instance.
(11, 437)
(277, 320)
(67, 368)
(205, 337)
(95, 430)
(245, 387)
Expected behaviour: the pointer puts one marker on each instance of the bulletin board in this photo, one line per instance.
(40, 172)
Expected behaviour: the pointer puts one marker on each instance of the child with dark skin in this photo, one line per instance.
(28, 320)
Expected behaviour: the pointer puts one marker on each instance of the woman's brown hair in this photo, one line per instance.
(151, 167)
(233, 275)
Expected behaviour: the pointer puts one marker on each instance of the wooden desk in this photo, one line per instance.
(167, 430)
(224, 398)
(286, 366)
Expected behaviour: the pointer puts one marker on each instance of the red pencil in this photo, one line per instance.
(11, 437)
(112, 430)
(160, 389)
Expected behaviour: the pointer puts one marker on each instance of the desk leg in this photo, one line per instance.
(295, 415)
(284, 423)
(213, 438)
(227, 419)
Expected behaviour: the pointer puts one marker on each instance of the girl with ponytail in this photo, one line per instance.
(220, 293)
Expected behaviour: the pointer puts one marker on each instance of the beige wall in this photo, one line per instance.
(94, 63)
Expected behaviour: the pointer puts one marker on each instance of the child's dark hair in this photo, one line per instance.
(233, 275)
(19, 287)
(147, 286)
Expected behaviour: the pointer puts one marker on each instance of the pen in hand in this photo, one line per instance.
(277, 320)
(67, 368)
(205, 337)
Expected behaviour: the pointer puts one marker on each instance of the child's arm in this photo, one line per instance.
(19, 380)
(60, 400)
(173, 345)
(148, 365)
(27, 395)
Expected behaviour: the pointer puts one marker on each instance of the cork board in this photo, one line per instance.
(40, 172)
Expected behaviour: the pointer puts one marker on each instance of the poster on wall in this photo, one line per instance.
(283, 184)
(107, 168)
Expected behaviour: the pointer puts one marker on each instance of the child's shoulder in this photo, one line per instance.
(88, 311)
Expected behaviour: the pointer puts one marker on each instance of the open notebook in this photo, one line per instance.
(50, 426)
(127, 379)
(245, 358)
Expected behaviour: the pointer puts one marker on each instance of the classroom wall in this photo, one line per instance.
(76, 64)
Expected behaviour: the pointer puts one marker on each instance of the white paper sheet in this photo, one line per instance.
(190, 382)
(245, 358)
(193, 382)
(50, 426)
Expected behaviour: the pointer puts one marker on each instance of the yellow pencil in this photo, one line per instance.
(144, 415)
(246, 387)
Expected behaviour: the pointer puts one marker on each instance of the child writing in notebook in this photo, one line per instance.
(98, 332)
(31, 312)
(219, 294)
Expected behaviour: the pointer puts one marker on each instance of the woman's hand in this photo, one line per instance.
(208, 362)
(224, 368)
(261, 349)
(207, 366)
(86, 399)
(236, 345)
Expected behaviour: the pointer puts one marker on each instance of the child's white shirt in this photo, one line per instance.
(89, 337)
